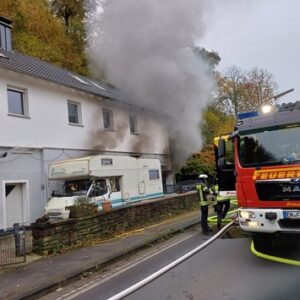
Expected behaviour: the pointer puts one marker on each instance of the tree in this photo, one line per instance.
(239, 91)
(68, 9)
(211, 57)
(260, 87)
(38, 33)
(199, 163)
(215, 122)
(230, 90)
(73, 13)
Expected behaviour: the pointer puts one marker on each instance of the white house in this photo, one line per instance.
(48, 114)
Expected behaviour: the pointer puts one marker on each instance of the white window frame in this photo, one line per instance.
(156, 172)
(135, 124)
(25, 195)
(79, 113)
(111, 119)
(24, 93)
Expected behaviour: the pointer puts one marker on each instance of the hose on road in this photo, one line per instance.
(274, 258)
(167, 268)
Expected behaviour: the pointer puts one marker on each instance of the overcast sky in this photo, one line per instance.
(262, 33)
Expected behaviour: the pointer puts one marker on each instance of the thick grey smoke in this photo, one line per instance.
(144, 48)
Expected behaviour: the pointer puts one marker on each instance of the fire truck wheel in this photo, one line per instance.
(262, 242)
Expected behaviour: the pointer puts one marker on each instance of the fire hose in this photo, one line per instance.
(173, 264)
(274, 258)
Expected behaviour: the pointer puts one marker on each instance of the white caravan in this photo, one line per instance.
(120, 179)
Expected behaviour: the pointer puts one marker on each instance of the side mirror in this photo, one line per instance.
(221, 148)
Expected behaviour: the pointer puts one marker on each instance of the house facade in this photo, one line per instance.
(49, 114)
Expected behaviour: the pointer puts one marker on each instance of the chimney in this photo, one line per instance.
(5, 34)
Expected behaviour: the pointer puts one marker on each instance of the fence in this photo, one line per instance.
(180, 187)
(13, 245)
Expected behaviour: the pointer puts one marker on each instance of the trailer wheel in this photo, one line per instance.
(262, 242)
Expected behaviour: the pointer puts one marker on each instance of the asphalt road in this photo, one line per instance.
(224, 270)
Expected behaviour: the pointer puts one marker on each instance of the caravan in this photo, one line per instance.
(95, 179)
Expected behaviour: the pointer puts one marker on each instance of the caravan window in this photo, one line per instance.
(153, 174)
(77, 187)
(114, 184)
(99, 188)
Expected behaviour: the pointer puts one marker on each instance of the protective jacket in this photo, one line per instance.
(221, 198)
(203, 191)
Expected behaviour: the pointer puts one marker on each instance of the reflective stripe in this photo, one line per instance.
(201, 196)
(220, 198)
(203, 199)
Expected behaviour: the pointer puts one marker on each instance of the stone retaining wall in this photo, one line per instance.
(53, 237)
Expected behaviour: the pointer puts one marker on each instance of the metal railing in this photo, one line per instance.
(13, 245)
(180, 187)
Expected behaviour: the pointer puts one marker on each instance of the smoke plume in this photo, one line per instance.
(144, 47)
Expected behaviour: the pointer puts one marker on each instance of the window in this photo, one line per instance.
(114, 184)
(278, 145)
(76, 188)
(5, 37)
(153, 174)
(80, 79)
(133, 124)
(74, 113)
(99, 188)
(17, 102)
(106, 161)
(108, 119)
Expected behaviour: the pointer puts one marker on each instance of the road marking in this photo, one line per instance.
(86, 287)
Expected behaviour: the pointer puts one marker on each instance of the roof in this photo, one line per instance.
(269, 121)
(37, 68)
(33, 67)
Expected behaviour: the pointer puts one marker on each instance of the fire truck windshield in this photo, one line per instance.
(270, 146)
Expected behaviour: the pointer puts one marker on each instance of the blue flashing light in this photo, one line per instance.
(248, 114)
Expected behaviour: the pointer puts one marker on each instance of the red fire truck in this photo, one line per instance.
(261, 160)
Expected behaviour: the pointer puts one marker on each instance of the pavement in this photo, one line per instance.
(35, 278)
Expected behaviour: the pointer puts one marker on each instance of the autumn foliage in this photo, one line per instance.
(37, 32)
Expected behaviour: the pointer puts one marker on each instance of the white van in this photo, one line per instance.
(120, 179)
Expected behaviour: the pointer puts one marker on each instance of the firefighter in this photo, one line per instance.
(203, 191)
(222, 206)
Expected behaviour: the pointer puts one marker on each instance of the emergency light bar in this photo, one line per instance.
(268, 109)
(248, 114)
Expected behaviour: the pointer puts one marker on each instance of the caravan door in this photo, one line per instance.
(114, 187)
(106, 189)
(98, 191)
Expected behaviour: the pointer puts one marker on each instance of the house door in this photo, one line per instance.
(14, 203)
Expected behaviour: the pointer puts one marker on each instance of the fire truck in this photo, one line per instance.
(260, 160)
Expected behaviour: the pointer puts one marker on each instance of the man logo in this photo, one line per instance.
(291, 189)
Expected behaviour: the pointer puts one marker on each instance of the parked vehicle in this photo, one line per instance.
(265, 169)
(95, 179)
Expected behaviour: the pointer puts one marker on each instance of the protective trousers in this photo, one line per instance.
(204, 216)
(222, 208)
(203, 190)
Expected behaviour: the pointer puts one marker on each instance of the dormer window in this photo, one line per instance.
(5, 34)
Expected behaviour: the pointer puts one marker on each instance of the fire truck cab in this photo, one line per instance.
(266, 169)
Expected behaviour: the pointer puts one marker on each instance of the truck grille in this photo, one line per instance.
(278, 191)
(288, 224)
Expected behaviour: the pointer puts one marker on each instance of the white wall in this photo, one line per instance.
(47, 125)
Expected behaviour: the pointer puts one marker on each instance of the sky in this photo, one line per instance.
(262, 33)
